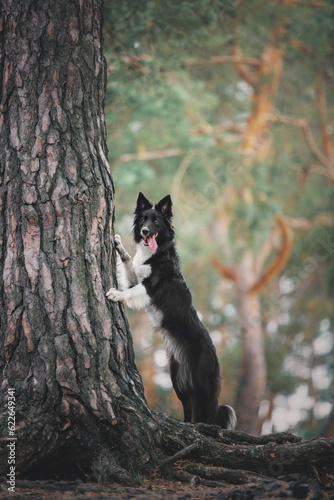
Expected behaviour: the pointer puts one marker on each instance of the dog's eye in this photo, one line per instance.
(143, 219)
(156, 222)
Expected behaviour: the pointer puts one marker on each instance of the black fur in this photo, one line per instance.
(194, 366)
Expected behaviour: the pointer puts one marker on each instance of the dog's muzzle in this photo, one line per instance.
(145, 232)
(149, 241)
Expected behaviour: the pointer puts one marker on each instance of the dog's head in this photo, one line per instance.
(153, 225)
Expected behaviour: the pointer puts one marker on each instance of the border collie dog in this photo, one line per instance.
(153, 280)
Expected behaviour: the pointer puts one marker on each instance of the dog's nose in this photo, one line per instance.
(145, 231)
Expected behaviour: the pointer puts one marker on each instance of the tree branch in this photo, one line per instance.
(306, 128)
(226, 272)
(266, 248)
(315, 3)
(322, 112)
(204, 128)
(280, 260)
(301, 224)
(234, 59)
(151, 155)
(241, 66)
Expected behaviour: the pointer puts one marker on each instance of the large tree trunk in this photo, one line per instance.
(254, 374)
(250, 277)
(65, 350)
(256, 147)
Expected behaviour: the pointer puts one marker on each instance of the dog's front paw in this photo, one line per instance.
(114, 295)
(117, 240)
(119, 247)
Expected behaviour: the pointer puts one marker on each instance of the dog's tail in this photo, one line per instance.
(226, 417)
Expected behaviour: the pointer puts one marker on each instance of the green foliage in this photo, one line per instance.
(158, 101)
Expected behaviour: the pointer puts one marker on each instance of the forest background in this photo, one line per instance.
(228, 107)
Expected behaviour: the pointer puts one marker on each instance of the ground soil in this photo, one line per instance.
(289, 486)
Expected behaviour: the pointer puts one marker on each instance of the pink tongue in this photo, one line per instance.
(152, 243)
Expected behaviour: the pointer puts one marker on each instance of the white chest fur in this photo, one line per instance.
(142, 270)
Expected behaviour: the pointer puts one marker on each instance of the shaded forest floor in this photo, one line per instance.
(289, 486)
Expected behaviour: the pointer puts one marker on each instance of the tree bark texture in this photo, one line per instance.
(66, 351)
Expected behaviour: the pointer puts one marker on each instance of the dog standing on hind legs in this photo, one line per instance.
(153, 280)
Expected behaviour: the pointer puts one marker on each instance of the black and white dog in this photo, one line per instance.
(153, 280)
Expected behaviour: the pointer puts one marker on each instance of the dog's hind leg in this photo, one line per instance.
(204, 407)
(182, 393)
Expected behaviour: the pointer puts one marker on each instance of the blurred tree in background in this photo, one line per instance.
(228, 106)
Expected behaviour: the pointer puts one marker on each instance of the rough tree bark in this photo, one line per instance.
(67, 353)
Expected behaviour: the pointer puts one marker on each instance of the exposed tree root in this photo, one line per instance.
(194, 479)
(223, 474)
(184, 453)
(233, 437)
(206, 454)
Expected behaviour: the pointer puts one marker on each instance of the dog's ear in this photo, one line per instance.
(165, 206)
(142, 204)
